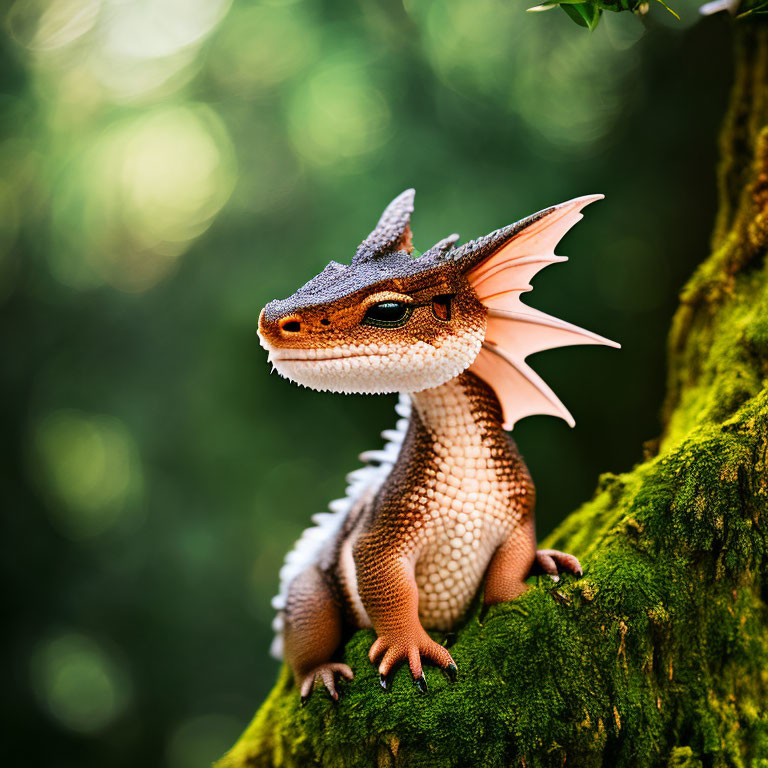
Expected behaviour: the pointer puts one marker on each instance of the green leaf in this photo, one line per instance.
(584, 14)
(574, 14)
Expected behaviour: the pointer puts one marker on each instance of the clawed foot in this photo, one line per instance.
(553, 563)
(391, 650)
(327, 673)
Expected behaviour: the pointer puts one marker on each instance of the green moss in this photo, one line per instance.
(658, 656)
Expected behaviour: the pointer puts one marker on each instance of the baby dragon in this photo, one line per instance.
(448, 504)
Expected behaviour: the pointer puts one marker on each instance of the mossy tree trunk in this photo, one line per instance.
(658, 656)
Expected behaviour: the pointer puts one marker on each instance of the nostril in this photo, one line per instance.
(325, 321)
(290, 326)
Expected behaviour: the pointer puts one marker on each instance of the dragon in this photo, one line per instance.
(447, 506)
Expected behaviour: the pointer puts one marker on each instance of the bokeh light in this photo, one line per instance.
(91, 467)
(149, 187)
(44, 26)
(81, 686)
(131, 49)
(337, 116)
(262, 45)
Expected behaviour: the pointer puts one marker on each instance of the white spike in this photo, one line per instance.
(375, 455)
(311, 543)
(380, 456)
(358, 474)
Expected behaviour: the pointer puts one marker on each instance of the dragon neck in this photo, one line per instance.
(465, 409)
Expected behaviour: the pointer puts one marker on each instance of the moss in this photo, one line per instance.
(658, 656)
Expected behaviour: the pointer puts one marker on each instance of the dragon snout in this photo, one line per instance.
(275, 327)
(279, 328)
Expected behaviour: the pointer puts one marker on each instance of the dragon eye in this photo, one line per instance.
(388, 314)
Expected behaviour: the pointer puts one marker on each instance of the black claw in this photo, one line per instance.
(304, 700)
(452, 671)
(420, 683)
(383, 681)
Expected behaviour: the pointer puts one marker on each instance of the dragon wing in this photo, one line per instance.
(500, 267)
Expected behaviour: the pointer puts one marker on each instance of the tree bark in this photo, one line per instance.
(658, 656)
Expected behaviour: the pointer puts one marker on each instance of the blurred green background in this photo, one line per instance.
(169, 166)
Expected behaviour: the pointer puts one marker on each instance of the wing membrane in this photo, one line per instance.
(521, 391)
(515, 330)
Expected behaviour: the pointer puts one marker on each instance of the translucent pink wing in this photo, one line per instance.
(515, 330)
(522, 333)
(521, 391)
(514, 264)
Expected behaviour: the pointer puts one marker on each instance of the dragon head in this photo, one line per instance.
(389, 322)
(384, 323)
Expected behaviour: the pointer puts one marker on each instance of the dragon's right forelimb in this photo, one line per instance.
(391, 598)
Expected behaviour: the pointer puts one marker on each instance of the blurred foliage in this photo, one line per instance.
(588, 13)
(168, 167)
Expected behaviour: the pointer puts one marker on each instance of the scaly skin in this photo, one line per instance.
(456, 509)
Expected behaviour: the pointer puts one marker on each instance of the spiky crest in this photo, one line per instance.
(392, 233)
